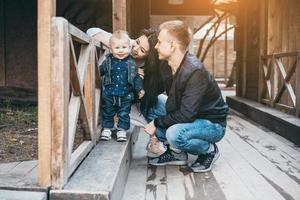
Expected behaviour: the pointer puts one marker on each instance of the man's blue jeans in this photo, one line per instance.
(194, 138)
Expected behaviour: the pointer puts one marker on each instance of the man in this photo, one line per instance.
(195, 112)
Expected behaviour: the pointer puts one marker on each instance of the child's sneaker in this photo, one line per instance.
(105, 135)
(121, 136)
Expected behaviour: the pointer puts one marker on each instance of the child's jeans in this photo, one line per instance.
(121, 106)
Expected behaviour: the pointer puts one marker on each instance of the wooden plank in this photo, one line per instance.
(78, 35)
(297, 88)
(179, 187)
(98, 105)
(2, 44)
(24, 195)
(136, 181)
(60, 80)
(182, 184)
(74, 107)
(270, 173)
(74, 75)
(119, 15)
(226, 52)
(286, 157)
(156, 187)
(79, 154)
(31, 178)
(82, 63)
(46, 10)
(6, 167)
(24, 168)
(88, 129)
(232, 185)
(250, 177)
(89, 93)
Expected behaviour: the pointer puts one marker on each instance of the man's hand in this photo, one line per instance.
(141, 94)
(150, 128)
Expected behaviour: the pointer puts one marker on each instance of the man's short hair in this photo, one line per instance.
(119, 34)
(179, 30)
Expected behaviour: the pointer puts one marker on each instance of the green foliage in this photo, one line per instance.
(12, 115)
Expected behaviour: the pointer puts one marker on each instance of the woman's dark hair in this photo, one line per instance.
(153, 80)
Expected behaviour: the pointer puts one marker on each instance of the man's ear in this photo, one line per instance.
(173, 46)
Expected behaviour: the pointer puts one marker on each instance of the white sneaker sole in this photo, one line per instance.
(172, 163)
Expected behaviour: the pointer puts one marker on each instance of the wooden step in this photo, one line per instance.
(102, 175)
(22, 195)
(288, 126)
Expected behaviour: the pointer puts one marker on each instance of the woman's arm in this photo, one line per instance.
(99, 34)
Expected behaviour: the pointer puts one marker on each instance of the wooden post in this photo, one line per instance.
(2, 46)
(297, 89)
(119, 15)
(46, 10)
(89, 94)
(214, 59)
(226, 52)
(60, 83)
(244, 56)
(263, 28)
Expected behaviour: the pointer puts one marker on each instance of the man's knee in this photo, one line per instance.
(176, 136)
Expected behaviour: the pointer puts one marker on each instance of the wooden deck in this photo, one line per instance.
(254, 164)
(19, 174)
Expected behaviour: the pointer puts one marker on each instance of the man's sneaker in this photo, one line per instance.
(205, 162)
(169, 157)
(121, 136)
(105, 135)
(155, 148)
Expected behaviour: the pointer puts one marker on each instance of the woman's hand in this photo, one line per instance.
(141, 94)
(150, 128)
(141, 73)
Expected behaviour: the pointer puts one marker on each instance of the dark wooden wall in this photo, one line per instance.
(18, 43)
(138, 13)
(18, 36)
(263, 27)
(247, 47)
(283, 29)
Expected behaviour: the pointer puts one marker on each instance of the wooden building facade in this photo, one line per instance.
(268, 45)
(19, 34)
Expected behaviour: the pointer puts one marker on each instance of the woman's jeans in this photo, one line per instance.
(194, 138)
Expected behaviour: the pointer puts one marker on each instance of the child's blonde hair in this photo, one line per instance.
(119, 34)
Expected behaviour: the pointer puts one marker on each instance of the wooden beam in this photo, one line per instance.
(89, 94)
(46, 10)
(119, 15)
(263, 35)
(297, 89)
(244, 56)
(2, 44)
(79, 154)
(226, 52)
(60, 79)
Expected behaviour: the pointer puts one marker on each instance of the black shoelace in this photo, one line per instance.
(209, 158)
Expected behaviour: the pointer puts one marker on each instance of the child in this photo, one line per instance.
(120, 80)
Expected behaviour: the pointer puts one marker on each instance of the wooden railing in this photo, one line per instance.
(280, 73)
(75, 96)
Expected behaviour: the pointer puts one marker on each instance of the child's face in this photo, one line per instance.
(120, 48)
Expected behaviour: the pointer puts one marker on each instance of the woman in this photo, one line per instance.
(156, 74)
